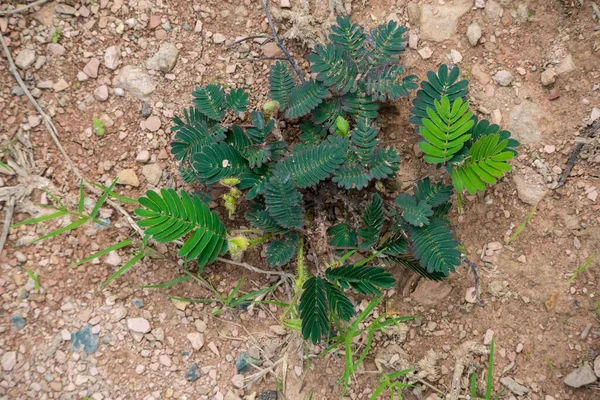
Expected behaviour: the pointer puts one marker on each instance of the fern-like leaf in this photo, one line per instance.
(334, 67)
(434, 194)
(327, 112)
(168, 216)
(237, 138)
(360, 105)
(255, 181)
(385, 83)
(348, 36)
(435, 247)
(372, 221)
(486, 162)
(283, 200)
(262, 220)
(314, 310)
(258, 133)
(388, 42)
(364, 139)
(210, 101)
(281, 83)
(217, 161)
(351, 174)
(256, 154)
(384, 164)
(413, 265)
(365, 280)
(192, 133)
(342, 235)
(312, 134)
(446, 130)
(237, 100)
(281, 251)
(310, 165)
(443, 84)
(395, 245)
(304, 98)
(416, 213)
(339, 304)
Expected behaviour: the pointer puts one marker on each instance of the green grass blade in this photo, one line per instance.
(115, 195)
(102, 199)
(398, 374)
(107, 250)
(56, 199)
(34, 278)
(173, 282)
(234, 291)
(46, 217)
(579, 270)
(57, 232)
(81, 198)
(190, 300)
(6, 167)
(522, 226)
(124, 268)
(490, 376)
(473, 385)
(251, 295)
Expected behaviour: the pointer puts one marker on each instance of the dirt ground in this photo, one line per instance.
(545, 324)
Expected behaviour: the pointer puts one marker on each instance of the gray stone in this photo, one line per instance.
(474, 33)
(548, 77)
(503, 78)
(111, 57)
(9, 360)
(218, 38)
(91, 68)
(514, 386)
(138, 83)
(101, 93)
(479, 3)
(455, 57)
(597, 366)
(566, 65)
(582, 376)
(139, 325)
(522, 123)
(430, 292)
(114, 259)
(56, 49)
(196, 340)
(531, 187)
(413, 41)
(165, 59)
(493, 10)
(441, 25)
(64, 9)
(271, 50)
(143, 157)
(152, 173)
(414, 13)
(25, 58)
(120, 313)
(425, 52)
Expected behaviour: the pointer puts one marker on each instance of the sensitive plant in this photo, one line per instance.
(306, 160)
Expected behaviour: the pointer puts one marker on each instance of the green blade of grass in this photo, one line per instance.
(56, 199)
(473, 385)
(107, 250)
(46, 217)
(71, 226)
(102, 199)
(6, 167)
(490, 375)
(173, 282)
(234, 291)
(81, 198)
(579, 270)
(522, 226)
(251, 295)
(114, 195)
(34, 278)
(124, 268)
(190, 300)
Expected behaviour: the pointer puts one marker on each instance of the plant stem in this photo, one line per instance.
(18, 10)
(280, 43)
(473, 267)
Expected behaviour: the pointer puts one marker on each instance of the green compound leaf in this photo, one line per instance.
(305, 98)
(281, 83)
(434, 194)
(435, 247)
(237, 100)
(281, 251)
(314, 310)
(365, 280)
(210, 101)
(416, 214)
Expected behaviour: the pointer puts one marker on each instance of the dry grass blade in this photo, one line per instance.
(21, 9)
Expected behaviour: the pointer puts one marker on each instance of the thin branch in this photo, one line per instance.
(280, 43)
(18, 10)
(10, 208)
(587, 132)
(252, 37)
(254, 269)
(54, 134)
(473, 267)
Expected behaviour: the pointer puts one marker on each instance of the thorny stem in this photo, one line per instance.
(252, 37)
(473, 267)
(589, 131)
(280, 43)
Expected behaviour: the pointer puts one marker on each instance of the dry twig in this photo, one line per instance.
(20, 9)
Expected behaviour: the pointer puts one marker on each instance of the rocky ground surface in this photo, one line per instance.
(132, 66)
